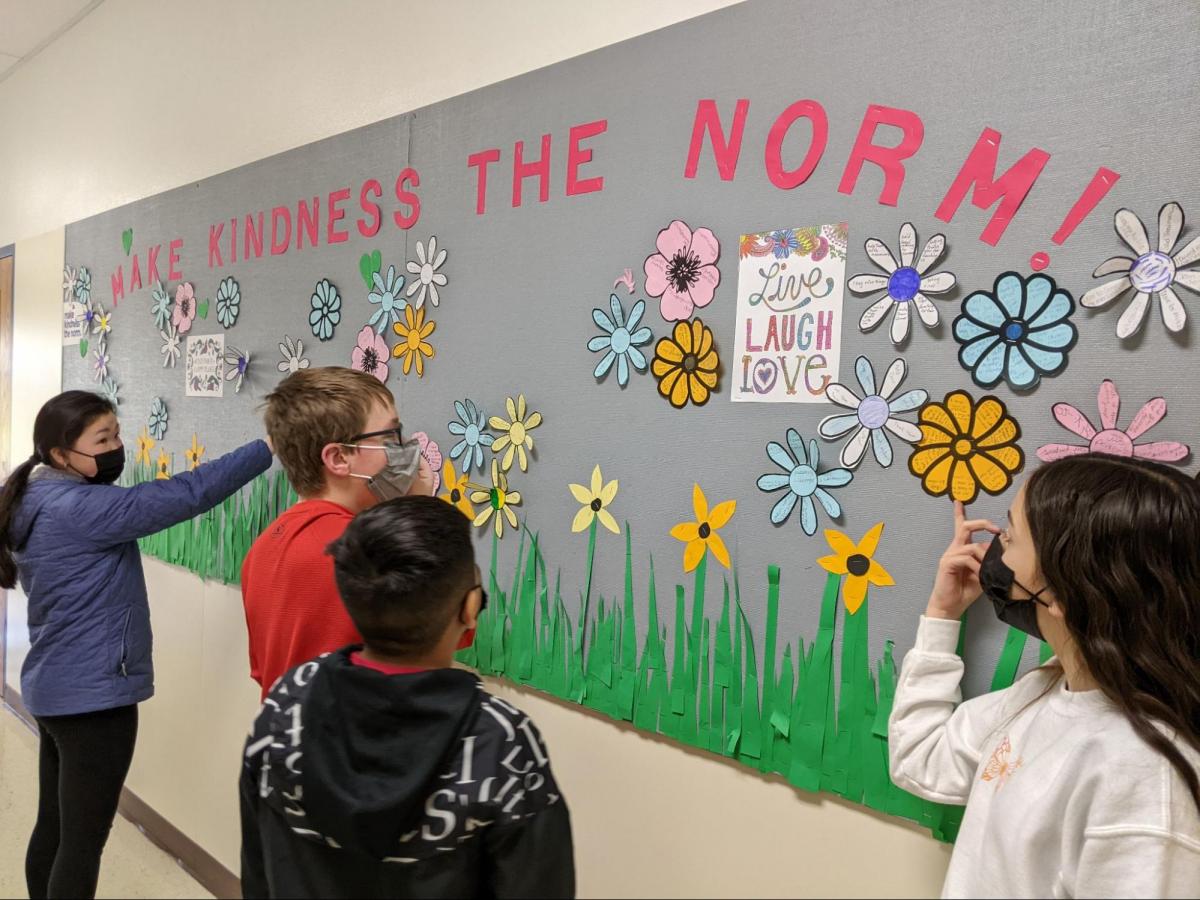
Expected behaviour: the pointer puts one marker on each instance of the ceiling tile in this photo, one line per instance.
(25, 24)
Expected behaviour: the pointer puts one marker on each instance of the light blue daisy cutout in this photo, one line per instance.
(802, 481)
(161, 306)
(471, 427)
(83, 286)
(229, 302)
(621, 339)
(326, 310)
(1018, 332)
(157, 423)
(389, 299)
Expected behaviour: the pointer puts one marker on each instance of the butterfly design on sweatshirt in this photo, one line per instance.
(999, 767)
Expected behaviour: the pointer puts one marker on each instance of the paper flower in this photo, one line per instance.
(184, 312)
(387, 296)
(433, 457)
(101, 321)
(873, 413)
(472, 428)
(596, 501)
(144, 445)
(83, 286)
(412, 344)
(194, 453)
(906, 284)
(370, 354)
(701, 535)
(621, 339)
(1152, 273)
(686, 364)
(170, 346)
(239, 365)
(802, 481)
(515, 436)
(229, 302)
(161, 305)
(1111, 439)
(162, 469)
(100, 362)
(428, 279)
(293, 356)
(111, 391)
(683, 273)
(70, 279)
(966, 446)
(1019, 331)
(157, 423)
(326, 310)
(458, 489)
(857, 562)
(500, 501)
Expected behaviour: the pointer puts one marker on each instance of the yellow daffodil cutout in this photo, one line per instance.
(145, 445)
(966, 446)
(701, 535)
(412, 344)
(457, 489)
(500, 501)
(515, 436)
(194, 452)
(857, 563)
(595, 500)
(162, 468)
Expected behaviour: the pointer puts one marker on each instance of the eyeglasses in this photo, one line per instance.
(397, 433)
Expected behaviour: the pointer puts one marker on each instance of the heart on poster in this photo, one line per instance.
(765, 373)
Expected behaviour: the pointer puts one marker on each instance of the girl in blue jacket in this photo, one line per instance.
(70, 536)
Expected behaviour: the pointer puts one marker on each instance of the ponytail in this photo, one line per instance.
(10, 496)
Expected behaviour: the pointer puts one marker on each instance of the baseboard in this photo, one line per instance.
(190, 856)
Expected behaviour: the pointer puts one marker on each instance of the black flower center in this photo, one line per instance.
(455, 495)
(683, 270)
(858, 564)
(689, 362)
(185, 306)
(370, 359)
(705, 531)
(596, 504)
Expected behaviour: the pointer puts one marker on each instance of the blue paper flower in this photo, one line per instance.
(229, 302)
(83, 286)
(157, 423)
(1019, 332)
(802, 481)
(111, 391)
(387, 295)
(326, 310)
(621, 340)
(472, 428)
(161, 307)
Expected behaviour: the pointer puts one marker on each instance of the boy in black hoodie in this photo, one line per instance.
(382, 771)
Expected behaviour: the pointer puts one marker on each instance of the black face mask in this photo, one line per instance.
(109, 465)
(997, 581)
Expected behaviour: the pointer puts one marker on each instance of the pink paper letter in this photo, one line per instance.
(523, 170)
(725, 152)
(577, 156)
(890, 159)
(773, 156)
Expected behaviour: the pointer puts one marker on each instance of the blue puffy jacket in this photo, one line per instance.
(80, 568)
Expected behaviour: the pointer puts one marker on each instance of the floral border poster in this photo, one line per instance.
(788, 330)
(204, 369)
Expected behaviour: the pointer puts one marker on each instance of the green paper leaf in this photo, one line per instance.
(83, 347)
(202, 309)
(127, 240)
(368, 265)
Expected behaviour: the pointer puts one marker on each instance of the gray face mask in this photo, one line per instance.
(395, 479)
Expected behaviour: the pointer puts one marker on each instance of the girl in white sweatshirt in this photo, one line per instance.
(1081, 779)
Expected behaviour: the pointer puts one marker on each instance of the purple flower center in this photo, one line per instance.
(904, 283)
(683, 270)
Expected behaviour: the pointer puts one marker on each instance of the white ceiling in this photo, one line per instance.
(28, 26)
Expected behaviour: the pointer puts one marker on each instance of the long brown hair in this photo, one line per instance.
(1118, 543)
(58, 425)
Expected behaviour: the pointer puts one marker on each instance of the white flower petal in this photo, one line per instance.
(865, 284)
(1174, 316)
(1189, 278)
(852, 453)
(1131, 320)
(939, 283)
(900, 323)
(892, 378)
(842, 396)
(934, 248)
(875, 313)
(441, 258)
(881, 255)
(1189, 254)
(926, 310)
(1170, 223)
(906, 431)
(1112, 266)
(421, 253)
(908, 243)
(1132, 231)
(1105, 294)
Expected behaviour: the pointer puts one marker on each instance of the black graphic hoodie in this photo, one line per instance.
(360, 784)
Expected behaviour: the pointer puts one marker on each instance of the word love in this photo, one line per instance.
(761, 377)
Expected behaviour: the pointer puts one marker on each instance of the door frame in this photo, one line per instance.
(6, 350)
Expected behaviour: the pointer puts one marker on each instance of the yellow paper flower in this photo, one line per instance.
(163, 468)
(686, 364)
(515, 433)
(500, 501)
(193, 453)
(595, 503)
(857, 563)
(413, 332)
(457, 488)
(702, 534)
(966, 446)
(145, 445)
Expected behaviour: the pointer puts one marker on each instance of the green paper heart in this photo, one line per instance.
(202, 309)
(368, 265)
(127, 240)
(83, 345)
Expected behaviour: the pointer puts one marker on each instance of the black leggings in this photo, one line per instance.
(83, 763)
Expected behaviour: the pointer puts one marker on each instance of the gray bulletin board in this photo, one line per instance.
(1092, 83)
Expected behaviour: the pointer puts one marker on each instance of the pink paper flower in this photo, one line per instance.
(1111, 439)
(683, 273)
(371, 354)
(433, 456)
(184, 312)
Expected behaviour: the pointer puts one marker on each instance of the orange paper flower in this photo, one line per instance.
(412, 344)
(701, 535)
(456, 490)
(966, 446)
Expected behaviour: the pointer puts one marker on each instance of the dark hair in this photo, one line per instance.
(1118, 542)
(58, 425)
(402, 568)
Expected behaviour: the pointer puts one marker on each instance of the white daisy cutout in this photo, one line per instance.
(170, 345)
(905, 284)
(428, 279)
(1153, 272)
(874, 413)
